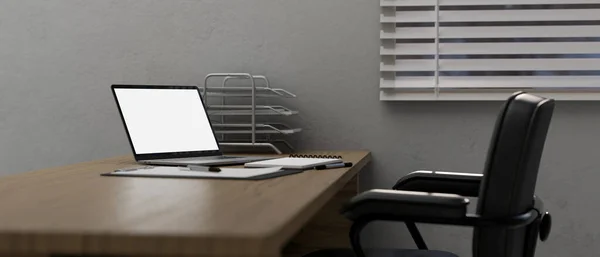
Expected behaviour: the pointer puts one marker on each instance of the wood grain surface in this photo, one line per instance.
(74, 210)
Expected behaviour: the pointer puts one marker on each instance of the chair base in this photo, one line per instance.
(380, 253)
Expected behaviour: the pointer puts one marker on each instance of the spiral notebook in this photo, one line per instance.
(295, 161)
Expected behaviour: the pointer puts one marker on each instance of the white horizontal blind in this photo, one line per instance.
(484, 49)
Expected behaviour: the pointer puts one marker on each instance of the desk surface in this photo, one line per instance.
(73, 209)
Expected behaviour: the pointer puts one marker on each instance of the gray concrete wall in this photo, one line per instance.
(58, 58)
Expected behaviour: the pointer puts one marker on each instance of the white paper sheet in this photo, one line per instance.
(292, 163)
(156, 171)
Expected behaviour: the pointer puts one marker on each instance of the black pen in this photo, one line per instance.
(203, 168)
(136, 168)
(334, 166)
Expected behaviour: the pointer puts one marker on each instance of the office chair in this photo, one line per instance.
(509, 217)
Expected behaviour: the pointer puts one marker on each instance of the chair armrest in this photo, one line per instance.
(465, 184)
(420, 207)
(395, 203)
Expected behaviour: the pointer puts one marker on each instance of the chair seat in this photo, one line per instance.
(380, 253)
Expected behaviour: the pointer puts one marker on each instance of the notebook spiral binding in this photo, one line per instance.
(316, 156)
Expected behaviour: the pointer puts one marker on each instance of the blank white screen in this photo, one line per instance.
(165, 120)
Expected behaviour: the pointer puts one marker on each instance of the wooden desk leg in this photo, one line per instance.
(327, 229)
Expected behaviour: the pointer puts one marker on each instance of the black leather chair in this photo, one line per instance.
(509, 217)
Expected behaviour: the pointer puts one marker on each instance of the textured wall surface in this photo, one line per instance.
(58, 58)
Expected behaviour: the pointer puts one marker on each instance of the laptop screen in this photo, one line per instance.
(165, 120)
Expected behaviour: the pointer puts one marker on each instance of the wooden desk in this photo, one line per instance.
(73, 210)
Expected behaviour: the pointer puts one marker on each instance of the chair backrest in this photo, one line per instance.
(510, 174)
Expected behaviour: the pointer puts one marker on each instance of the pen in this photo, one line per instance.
(203, 168)
(134, 169)
(334, 166)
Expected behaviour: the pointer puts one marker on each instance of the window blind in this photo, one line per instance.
(487, 49)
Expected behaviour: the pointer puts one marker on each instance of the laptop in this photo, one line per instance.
(169, 125)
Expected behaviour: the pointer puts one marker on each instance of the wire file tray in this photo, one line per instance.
(240, 100)
(223, 110)
(247, 92)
